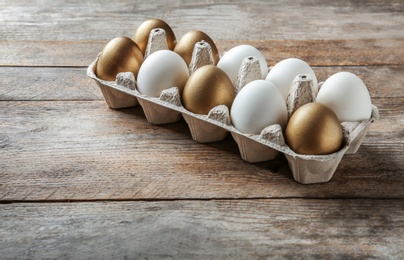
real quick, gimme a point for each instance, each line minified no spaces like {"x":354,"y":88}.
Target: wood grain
{"x":140,"y":191}
{"x":226,"y":20}
{"x":44,"y":83}
{"x":225,"y":229}
{"x":81,"y":150}
{"x":355,"y":52}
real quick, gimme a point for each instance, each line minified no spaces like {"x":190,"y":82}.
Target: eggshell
{"x":162,"y":70}
{"x":314,"y":129}
{"x":285,"y":71}
{"x":142,"y":33}
{"x":207,"y":88}
{"x":186,"y":44}
{"x":232,"y":60}
{"x":121,"y":54}
{"x":346,"y":94}
{"x":258,"y":105}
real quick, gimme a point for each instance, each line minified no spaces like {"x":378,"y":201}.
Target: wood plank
{"x":149,"y":192}
{"x":225,"y":229}
{"x":43,"y":83}
{"x":355,"y":52}
{"x":53,"y":150}
{"x":227,"y":20}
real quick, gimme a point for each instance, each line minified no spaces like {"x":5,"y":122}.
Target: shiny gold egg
{"x":314,"y":129}
{"x":207,"y":87}
{"x":141,"y":36}
{"x":121,"y":54}
{"x":185,"y":45}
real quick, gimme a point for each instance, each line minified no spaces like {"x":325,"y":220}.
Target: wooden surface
{"x":215,"y":229}
{"x":81,"y":181}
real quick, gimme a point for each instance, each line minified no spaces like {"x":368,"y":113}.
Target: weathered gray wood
{"x":225,"y":229}
{"x":60,"y":143}
{"x":102,"y":20}
{"x":354,"y":52}
{"x":37,"y":83}
{"x":85,"y":151}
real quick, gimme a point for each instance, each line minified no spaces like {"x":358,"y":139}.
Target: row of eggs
{"x":315,"y":128}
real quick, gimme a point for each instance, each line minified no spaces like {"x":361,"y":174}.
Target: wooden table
{"x":79,"y":180}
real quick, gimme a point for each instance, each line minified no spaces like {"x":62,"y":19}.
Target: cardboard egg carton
{"x":215,"y":126}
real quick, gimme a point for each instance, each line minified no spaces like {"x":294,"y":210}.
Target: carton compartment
{"x":157,"y":114}
{"x":208,"y":128}
{"x":114,"y":98}
{"x":203,"y":131}
{"x":357,"y":131}
{"x":312,"y":170}
{"x":357,"y":141}
{"x":252,"y":151}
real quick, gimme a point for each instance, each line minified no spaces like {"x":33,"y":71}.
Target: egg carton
{"x":215,"y":126}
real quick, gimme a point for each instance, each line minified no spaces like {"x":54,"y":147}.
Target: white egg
{"x":346,"y":94}
{"x":285,"y":71}
{"x":232,"y":60}
{"x":161,"y":70}
{"x":258,"y":105}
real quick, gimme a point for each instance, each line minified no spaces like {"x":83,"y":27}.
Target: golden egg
{"x":185,"y":45}
{"x":141,"y":36}
{"x":206,"y":88}
{"x":314,"y":129}
{"x":121,"y":54}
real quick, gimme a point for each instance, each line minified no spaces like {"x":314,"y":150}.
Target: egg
{"x":285,"y":71}
{"x":141,"y":36}
{"x":161,"y":70}
{"x":185,"y":45}
{"x":258,"y":105}
{"x":207,"y":88}
{"x":347,"y":95}
{"x":314,"y":129}
{"x":232,"y":60}
{"x":121,"y":54}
